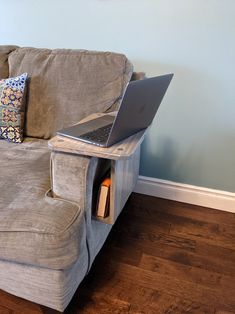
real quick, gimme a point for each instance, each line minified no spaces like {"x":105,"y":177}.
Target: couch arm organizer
{"x":68,"y":154}
{"x":48,"y":240}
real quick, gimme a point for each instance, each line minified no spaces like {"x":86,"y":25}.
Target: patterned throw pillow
{"x":12,"y":91}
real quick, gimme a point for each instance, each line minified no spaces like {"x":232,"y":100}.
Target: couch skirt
{"x":52,"y":288}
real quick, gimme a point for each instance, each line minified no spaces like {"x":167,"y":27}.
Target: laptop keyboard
{"x":99,"y":135}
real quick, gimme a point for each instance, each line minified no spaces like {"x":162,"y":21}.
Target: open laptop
{"x":139,"y":105}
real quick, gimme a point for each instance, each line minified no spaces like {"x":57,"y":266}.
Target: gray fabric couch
{"x":48,"y":244}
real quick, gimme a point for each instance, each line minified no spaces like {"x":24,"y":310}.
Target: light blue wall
{"x":192,"y":139}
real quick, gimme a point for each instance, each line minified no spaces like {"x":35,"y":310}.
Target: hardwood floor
{"x":161,"y":257}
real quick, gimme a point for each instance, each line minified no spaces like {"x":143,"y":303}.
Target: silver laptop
{"x":139,"y":105}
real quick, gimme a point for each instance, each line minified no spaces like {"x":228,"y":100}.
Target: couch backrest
{"x":67,"y":85}
{"x":4,"y":53}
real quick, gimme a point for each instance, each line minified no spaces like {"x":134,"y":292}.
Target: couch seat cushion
{"x":35,"y":229}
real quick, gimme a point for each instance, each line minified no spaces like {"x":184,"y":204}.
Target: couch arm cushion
{"x":69,"y":176}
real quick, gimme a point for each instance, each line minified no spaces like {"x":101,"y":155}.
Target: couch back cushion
{"x":4,"y":53}
{"x":67,"y":85}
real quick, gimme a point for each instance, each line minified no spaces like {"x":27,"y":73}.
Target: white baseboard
{"x":186,"y":193}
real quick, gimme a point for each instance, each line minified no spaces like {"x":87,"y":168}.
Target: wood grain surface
{"x":161,"y":257}
{"x":121,"y":150}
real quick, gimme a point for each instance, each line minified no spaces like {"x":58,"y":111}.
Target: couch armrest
{"x":76,"y":178}
{"x":75,"y":165}
{"x":71,"y":176}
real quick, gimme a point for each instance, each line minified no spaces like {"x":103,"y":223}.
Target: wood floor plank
{"x":18,"y":305}
{"x":149,"y":206}
{"x":117,"y":272}
{"x":221,"y":234}
{"x":179,"y":253}
{"x":187,"y":273}
{"x":93,"y":303}
{"x":4,"y":310}
{"x":137,"y":295}
{"x":136,"y":232}
{"x":172,"y":305}
{"x":215,"y":251}
{"x":132,"y":257}
{"x":223,"y":312}
{"x":146,"y":300}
